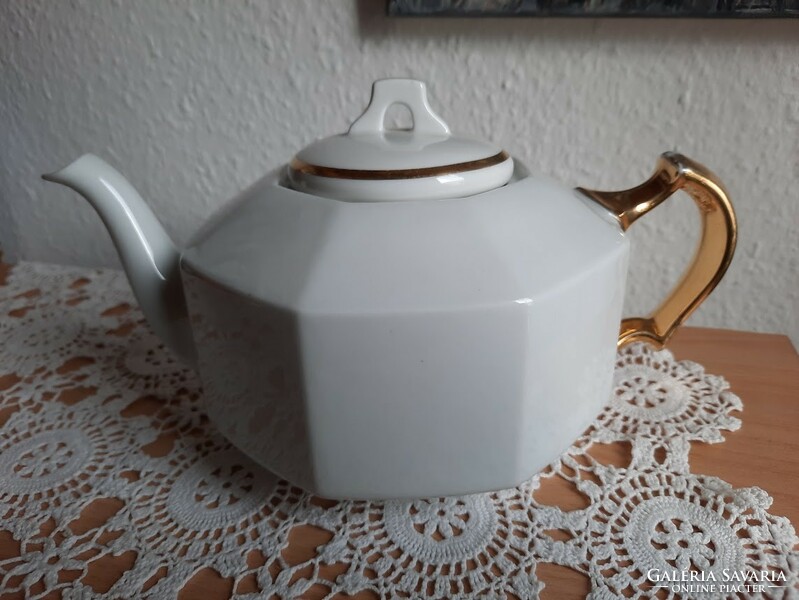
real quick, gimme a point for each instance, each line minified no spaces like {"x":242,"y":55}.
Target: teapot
{"x":405,"y":313}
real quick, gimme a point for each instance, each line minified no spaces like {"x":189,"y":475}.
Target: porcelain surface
{"x":425,"y":332}
{"x":456,"y":185}
{"x":318,"y":254}
{"x":464,"y":166}
{"x":394,"y":150}
{"x":398,"y":334}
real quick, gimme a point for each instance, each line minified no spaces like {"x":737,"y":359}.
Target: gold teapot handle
{"x":716,"y":247}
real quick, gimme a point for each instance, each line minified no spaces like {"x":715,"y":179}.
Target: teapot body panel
{"x":408,"y":404}
{"x":406,"y":349}
{"x":251,"y":369}
{"x":295,"y":250}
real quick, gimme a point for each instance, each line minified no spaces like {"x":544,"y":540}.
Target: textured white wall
{"x":193,"y":100}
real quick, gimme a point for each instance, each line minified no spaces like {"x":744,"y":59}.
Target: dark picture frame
{"x":597,"y":8}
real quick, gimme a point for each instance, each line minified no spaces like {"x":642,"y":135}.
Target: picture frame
{"x":748,"y":9}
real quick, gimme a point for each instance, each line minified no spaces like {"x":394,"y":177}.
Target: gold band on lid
{"x":305,"y":168}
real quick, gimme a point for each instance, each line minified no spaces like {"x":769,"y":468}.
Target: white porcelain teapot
{"x":405,"y":313}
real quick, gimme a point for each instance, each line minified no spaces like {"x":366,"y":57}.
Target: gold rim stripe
{"x":305,"y":168}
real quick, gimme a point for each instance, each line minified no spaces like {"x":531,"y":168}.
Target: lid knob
{"x":372,"y":163}
{"x":408,"y":92}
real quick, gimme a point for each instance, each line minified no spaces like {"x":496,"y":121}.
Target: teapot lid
{"x":370,"y":163}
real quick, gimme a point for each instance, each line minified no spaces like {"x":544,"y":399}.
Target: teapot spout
{"x":150,"y":259}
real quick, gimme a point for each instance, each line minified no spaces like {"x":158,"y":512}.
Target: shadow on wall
{"x":9,"y":238}
{"x":374,"y":24}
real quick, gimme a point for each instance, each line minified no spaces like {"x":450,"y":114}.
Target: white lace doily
{"x":106,"y":458}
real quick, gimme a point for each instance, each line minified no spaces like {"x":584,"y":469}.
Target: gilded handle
{"x":716,"y":247}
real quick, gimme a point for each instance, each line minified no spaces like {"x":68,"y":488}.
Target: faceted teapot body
{"x":405,"y":313}
{"x":406,"y":348}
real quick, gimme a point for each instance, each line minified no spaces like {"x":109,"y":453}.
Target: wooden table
{"x":762,"y":369}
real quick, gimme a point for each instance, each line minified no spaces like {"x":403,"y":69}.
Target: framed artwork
{"x":597,"y":8}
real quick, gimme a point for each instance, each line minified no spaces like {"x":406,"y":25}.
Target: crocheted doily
{"x":107,"y":463}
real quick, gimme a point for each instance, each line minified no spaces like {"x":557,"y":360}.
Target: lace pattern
{"x":97,"y":418}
